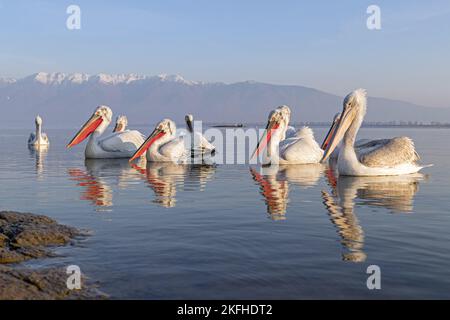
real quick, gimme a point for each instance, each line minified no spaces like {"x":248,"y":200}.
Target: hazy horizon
{"x":321,"y":45}
{"x":199,"y":81}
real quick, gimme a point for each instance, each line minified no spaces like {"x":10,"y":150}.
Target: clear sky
{"x":320,"y":44}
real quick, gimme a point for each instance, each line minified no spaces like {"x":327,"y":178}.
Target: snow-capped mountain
{"x":58,"y":78}
{"x":7,"y":81}
{"x":66,"y":100}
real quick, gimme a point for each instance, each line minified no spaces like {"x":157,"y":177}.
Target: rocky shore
{"x":25,"y":236}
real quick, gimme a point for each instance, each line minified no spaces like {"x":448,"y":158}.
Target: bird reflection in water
{"x":275,"y":181}
{"x":93,"y":180}
{"x":395,"y":193}
{"x":39,"y":153}
{"x":166,"y":178}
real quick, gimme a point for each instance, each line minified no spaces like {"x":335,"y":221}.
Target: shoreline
{"x":26,"y":236}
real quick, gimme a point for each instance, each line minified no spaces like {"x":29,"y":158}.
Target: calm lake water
{"x":229,"y":231}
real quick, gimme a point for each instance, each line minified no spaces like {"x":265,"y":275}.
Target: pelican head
{"x":189,"y":118}
{"x":101,"y":115}
{"x":121,"y":124}
{"x":278,"y":120}
{"x":330,"y":133}
{"x":354,"y":108}
{"x":165,"y":127}
{"x":38,"y":121}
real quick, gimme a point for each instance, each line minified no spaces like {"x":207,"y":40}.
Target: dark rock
{"x":48,"y":284}
{"x":26,"y":236}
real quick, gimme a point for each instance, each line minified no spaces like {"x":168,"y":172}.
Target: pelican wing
{"x":301,"y":148}
{"x":388,"y":152}
{"x":174,"y":149}
{"x":32,"y":138}
{"x":203,"y":143}
{"x":125,"y":141}
{"x":370,"y":144}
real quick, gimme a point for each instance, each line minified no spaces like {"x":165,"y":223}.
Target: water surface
{"x":234,"y":231}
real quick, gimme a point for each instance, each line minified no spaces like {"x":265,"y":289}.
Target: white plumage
{"x":373,"y":158}
{"x":164,"y":146}
{"x":296,"y":147}
{"x":116,"y":145}
{"x":38,"y":138}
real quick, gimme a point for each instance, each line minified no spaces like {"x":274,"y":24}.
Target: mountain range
{"x":67,"y":100}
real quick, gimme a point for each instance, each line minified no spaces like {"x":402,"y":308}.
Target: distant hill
{"x":65,"y":100}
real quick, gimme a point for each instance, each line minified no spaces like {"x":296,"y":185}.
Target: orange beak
{"x":265,"y":139}
{"x":329,"y":135}
{"x":86,"y":130}
{"x":155,"y":135}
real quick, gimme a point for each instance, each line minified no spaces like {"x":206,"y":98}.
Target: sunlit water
{"x":229,"y":231}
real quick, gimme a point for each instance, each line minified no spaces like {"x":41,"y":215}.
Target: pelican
{"x":121,"y":124}
{"x":116,"y":145}
{"x":385,"y":157}
{"x":164,"y":146}
{"x":38,"y":138}
{"x":197,"y":138}
{"x":189,"y":118}
{"x":299,"y":148}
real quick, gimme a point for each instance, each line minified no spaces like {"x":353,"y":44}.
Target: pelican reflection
{"x":167,"y":178}
{"x":97,"y":178}
{"x":39,"y":153}
{"x":395,"y":193}
{"x":275,"y":181}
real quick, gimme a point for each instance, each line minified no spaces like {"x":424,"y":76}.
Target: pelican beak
{"x":265,"y":139}
{"x":343,"y":124}
{"x":189,"y":124}
{"x":329,"y":135}
{"x":86,"y":130}
{"x":155,"y":135}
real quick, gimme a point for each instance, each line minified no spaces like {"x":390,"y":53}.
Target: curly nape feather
{"x":304,"y":132}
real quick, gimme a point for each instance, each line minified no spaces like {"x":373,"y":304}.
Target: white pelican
{"x":38,"y":138}
{"x":299,"y":148}
{"x":164,"y":146}
{"x":121,"y":124}
{"x":379,"y":158}
{"x":197,"y":138}
{"x":116,"y":145}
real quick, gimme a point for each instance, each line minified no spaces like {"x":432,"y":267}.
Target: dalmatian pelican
{"x":116,"y":145}
{"x":299,"y":147}
{"x":385,"y":157}
{"x":163,"y":145}
{"x":38,"y":138}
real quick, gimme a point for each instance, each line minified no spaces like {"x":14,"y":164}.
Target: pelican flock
{"x":282,"y":144}
{"x":385,"y":157}
{"x":163,"y":145}
{"x":121,"y":144}
{"x":38,"y":138}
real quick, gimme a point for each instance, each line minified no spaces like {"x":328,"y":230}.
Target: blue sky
{"x":320,"y":44}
